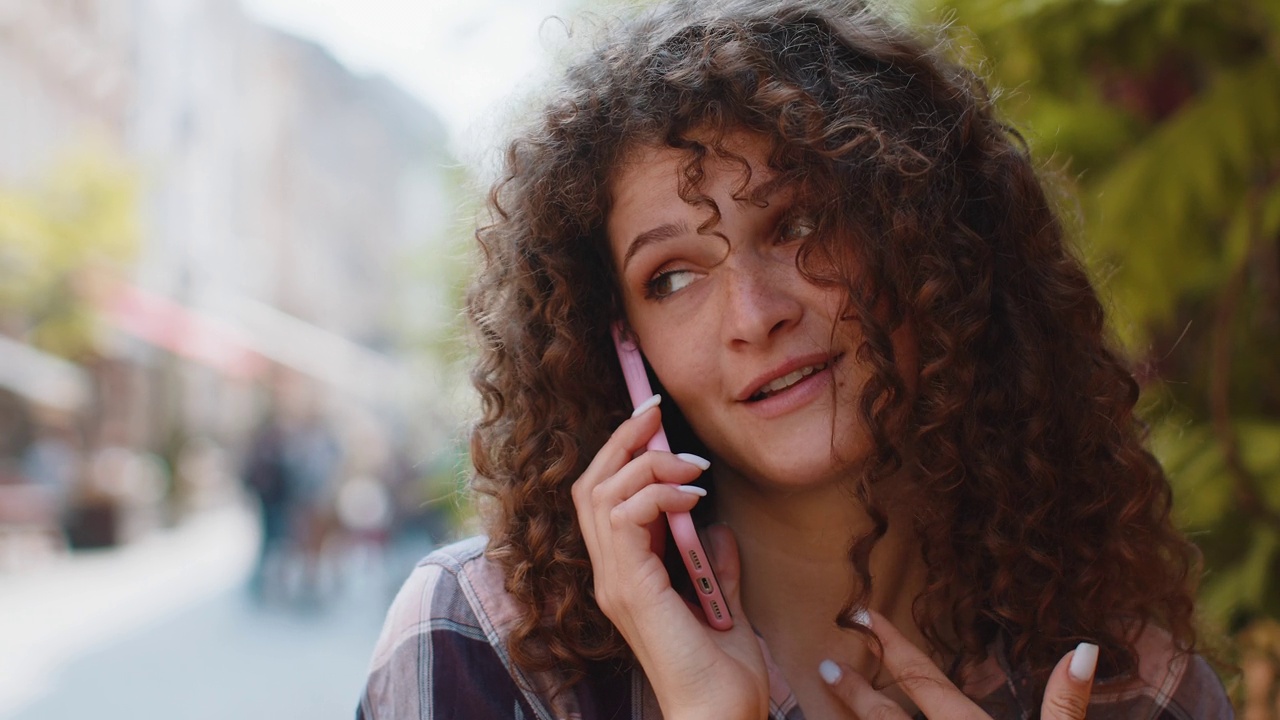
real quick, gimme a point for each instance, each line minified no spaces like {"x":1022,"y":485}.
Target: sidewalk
{"x":52,"y":615}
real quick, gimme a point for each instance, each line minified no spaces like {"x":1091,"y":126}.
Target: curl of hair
{"x":1043,"y":519}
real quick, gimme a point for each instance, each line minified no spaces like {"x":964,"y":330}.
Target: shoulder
{"x":1169,"y":685}
{"x":435,"y":597}
{"x":443,"y":644}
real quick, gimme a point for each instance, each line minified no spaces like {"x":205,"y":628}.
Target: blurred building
{"x":65,"y":72}
{"x":281,"y":196}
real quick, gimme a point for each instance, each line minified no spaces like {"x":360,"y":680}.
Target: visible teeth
{"x":790,"y":379}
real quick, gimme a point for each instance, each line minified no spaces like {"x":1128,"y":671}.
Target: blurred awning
{"x":322,"y":354}
{"x":41,"y":378}
{"x":181,"y":330}
{"x":241,"y":337}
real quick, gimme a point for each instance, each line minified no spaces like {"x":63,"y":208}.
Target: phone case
{"x":696,"y":560}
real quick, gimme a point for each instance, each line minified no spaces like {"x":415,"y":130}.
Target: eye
{"x":797,"y":227}
{"x":667,"y":283}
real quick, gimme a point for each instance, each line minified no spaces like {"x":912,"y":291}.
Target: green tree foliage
{"x":1163,"y":117}
{"x":83,"y":216}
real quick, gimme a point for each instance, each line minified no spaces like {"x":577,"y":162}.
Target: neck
{"x":794,"y":546}
{"x":796,"y":572}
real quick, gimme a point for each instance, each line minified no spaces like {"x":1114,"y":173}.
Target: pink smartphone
{"x":695,"y":558}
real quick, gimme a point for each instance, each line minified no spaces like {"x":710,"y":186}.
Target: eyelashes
{"x":797,"y":227}
{"x":791,"y":228}
{"x":668,"y":282}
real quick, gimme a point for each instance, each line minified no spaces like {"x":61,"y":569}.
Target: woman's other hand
{"x":695,"y":671}
{"x":1066,"y":696}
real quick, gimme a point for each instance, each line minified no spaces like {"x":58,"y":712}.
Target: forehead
{"x":732,"y":153}
{"x":647,"y":179}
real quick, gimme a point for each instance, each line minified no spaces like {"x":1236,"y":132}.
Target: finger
{"x":652,"y":467}
{"x":918,"y":676}
{"x":650,"y":502}
{"x":630,"y":437}
{"x":595,"y":503}
{"x":857,"y":694}
{"x":1066,"y":696}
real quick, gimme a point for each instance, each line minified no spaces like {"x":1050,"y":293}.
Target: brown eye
{"x":668,"y":283}
{"x":798,"y":228}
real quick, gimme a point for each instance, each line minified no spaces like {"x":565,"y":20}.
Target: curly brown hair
{"x":1044,"y":521}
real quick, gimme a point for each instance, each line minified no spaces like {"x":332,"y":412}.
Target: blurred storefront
{"x":278,"y":196}
{"x":40,"y":397}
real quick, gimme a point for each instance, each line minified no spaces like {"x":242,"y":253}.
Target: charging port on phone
{"x":705,"y":584}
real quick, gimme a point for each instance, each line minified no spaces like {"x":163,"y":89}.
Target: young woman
{"x":907,"y":438}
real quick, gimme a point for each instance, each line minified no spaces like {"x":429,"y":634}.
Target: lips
{"x":786,"y":376}
{"x":786,"y":381}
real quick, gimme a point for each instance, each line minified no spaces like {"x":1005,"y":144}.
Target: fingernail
{"x":700,"y":462}
{"x":692,"y":490}
{"x":651,"y":402}
{"x":863,"y":618}
{"x":830,"y":672}
{"x":1083,"y":662}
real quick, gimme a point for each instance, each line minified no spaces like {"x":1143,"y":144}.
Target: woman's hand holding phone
{"x":695,"y":671}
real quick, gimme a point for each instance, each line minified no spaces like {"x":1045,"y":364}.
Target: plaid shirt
{"x":442,"y":655}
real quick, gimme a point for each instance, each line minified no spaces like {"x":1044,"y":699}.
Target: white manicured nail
{"x":700,"y":462}
{"x":651,"y":402}
{"x":1084,"y":662}
{"x":692,"y":490}
{"x":863,"y":618}
{"x":830,"y":672}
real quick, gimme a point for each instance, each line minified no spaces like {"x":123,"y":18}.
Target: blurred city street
{"x":165,"y":628}
{"x":229,"y":407}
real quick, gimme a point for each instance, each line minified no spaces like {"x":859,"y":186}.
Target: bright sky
{"x":464,"y":58}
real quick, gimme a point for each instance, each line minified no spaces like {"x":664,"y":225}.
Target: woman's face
{"x":755,"y":355}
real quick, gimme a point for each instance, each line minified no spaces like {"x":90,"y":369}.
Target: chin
{"x":794,"y":475}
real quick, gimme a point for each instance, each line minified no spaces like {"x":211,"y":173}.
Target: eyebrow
{"x":767,"y":190}
{"x":665,"y":231}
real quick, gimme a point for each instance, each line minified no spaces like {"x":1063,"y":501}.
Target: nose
{"x":761,"y":300}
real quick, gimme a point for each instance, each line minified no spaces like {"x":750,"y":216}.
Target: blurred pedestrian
{"x":266,"y":477}
{"x":312,"y":456}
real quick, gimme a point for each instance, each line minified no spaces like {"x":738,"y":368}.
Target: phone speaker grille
{"x":697,"y":563}
{"x":715,"y":610}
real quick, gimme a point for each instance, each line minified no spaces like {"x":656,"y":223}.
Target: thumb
{"x":724,"y":561}
{"x":1066,"y":696}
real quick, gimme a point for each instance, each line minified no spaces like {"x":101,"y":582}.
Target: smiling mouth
{"x":788,"y":380}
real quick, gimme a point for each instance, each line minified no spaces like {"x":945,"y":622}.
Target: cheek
{"x":689,"y":381}
{"x":685,"y":377}
{"x":668,"y":351}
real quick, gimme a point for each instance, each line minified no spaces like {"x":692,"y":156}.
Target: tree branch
{"x":1248,"y":496}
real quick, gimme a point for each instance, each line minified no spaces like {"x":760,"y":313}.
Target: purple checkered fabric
{"x":442,"y":655}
